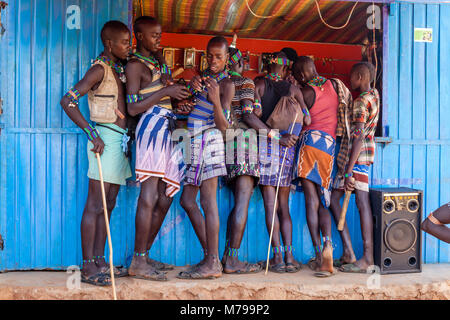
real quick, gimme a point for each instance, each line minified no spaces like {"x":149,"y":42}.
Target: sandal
{"x":98,"y":279}
{"x":160,"y":266}
{"x":325,"y":274}
{"x":195,"y":274}
{"x":278,"y":268}
{"x":150,"y":275}
{"x":313,"y":264}
{"x":118,"y":272}
{"x":249,"y":268}
{"x":292,"y":267}
{"x":352,"y":268}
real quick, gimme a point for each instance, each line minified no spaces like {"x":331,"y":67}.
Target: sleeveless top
{"x":103,"y":100}
{"x":154,"y":86}
{"x":273,"y":92}
{"x":201,"y":117}
{"x":324,"y":110}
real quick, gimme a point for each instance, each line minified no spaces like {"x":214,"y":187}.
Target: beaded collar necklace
{"x":318,"y":81}
{"x":234,"y":73}
{"x":371,"y":91}
{"x":273,"y":76}
{"x":117,"y":67}
{"x":218,"y":77}
{"x":151,"y":60}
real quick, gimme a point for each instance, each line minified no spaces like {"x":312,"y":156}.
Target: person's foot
{"x":140,"y":269}
{"x":359,"y":266}
{"x":90,"y":268}
{"x":210,"y":269}
{"x":234,"y":265}
{"x":292,"y":265}
{"x":276,"y":264}
{"x":327,"y":258}
{"x":160,"y":266}
{"x":346,"y":258}
{"x":315,"y":263}
{"x":91,"y":274}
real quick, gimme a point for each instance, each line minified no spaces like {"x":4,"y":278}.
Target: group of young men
{"x":287,"y":127}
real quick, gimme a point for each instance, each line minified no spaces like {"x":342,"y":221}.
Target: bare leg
{"x":284,"y":217}
{"x":312,"y":217}
{"x":365,"y":212}
{"x":441,"y":232}
{"x":237,"y":221}
{"x":268,"y":193}
{"x":348,"y":255}
{"x":325,"y":227}
{"x":93,"y":211}
{"x":148,"y":198}
{"x":101,"y":234}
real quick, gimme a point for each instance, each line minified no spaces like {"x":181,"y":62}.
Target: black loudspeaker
{"x":397,"y":215}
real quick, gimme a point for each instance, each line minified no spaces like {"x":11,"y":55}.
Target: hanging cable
{"x":256,"y":15}
{"x":333,"y":27}
{"x":374,"y":45}
{"x":142,"y":7}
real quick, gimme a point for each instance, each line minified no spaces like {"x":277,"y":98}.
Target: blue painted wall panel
{"x":43,"y":162}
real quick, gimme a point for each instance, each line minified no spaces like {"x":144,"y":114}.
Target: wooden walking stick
{"x":276,"y":197}
{"x":105,"y":211}
{"x":344,"y":210}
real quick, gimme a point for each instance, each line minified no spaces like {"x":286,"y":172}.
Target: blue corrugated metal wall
{"x":43,"y":156}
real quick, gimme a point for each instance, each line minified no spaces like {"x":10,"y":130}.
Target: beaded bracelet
{"x":348,"y":175}
{"x":73,"y":95}
{"x":358,"y":132}
{"x":227,"y":115}
{"x":133,"y":98}
{"x":306,"y":112}
{"x":91,"y":132}
{"x":257,"y":104}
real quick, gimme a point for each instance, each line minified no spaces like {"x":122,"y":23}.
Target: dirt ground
{"x":432,"y":283}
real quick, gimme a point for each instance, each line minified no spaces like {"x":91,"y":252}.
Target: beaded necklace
{"x":218,"y":77}
{"x":371,"y":91}
{"x":234,"y":73}
{"x":318,"y":81}
{"x":151,"y":60}
{"x":273,"y":76}
{"x":117,"y":67}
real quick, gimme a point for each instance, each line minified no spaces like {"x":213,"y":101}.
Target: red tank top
{"x":324,"y":110}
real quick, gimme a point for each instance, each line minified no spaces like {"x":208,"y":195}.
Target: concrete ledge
{"x":432,"y":283}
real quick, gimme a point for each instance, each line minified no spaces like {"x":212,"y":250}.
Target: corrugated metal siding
{"x":418,"y":96}
{"x":43,"y":155}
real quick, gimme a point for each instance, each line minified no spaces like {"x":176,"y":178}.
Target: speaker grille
{"x":400,"y":236}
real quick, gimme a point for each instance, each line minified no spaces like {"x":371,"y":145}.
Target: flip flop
{"x":293,"y":268}
{"x":337,"y":263}
{"x":311,"y":263}
{"x":278,"y":268}
{"x":352,"y":268}
{"x":325,"y":274}
{"x":249,"y":268}
{"x":98,"y":279}
{"x":160,"y":266}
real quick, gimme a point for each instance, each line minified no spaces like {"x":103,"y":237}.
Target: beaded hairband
{"x":280,"y":61}
{"x":235,"y":57}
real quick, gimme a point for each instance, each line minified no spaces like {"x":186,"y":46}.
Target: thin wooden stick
{"x":276,"y":198}
{"x":105,"y":210}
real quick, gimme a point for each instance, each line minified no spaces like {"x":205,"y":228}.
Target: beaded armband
{"x":133,"y":98}
{"x":73,"y":96}
{"x":306,"y":112}
{"x":248,"y":108}
{"x":166,"y":70}
{"x":91,"y":132}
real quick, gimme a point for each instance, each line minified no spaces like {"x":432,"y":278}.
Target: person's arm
{"x":221,"y":102}
{"x":166,"y":73}
{"x":92,"y":77}
{"x":133,"y":73}
{"x":298,"y":95}
{"x":360,"y":115}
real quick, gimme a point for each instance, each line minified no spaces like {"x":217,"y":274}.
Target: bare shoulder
{"x":227,"y":84}
{"x":134,"y":66}
{"x":95,"y":73}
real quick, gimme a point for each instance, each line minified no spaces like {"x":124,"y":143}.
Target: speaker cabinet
{"x":397,"y":215}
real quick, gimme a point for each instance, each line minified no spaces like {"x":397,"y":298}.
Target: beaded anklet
{"x":277,"y":249}
{"x":232,"y":252}
{"x":288,"y":249}
{"x":88,"y":261}
{"x":143,"y":254}
{"x":317,"y":249}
